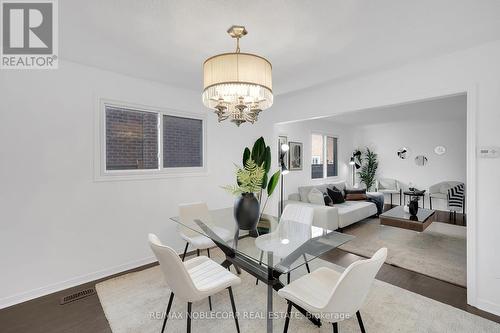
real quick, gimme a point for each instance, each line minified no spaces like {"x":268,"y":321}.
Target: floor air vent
{"x":76,"y":296}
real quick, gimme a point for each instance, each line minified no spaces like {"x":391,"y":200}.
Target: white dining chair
{"x":331,"y":295}
{"x":199,"y":210}
{"x":292,"y":213}
{"x":193,"y":280}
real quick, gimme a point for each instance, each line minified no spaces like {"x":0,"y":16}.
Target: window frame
{"x":102,"y":174}
{"x":325,"y":136}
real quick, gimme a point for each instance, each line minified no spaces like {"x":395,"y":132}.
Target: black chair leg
{"x":287,"y":318}
{"x":260,"y":263}
{"x":360,"y":321}
{"x":288,"y":278}
{"x":189,"y":318}
{"x":307,"y":265}
{"x":335,"y":328}
{"x":234,"y":309}
{"x":430,"y":202}
{"x":185,"y":251}
{"x":391,"y":199}
{"x":209,"y":298}
{"x":168,"y":311}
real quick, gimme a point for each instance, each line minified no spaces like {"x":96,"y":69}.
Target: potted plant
{"x":251,"y":181}
{"x":368,"y":168}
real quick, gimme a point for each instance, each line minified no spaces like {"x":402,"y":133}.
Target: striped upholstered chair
{"x":439,"y":191}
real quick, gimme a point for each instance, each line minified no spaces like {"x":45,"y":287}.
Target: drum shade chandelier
{"x":237,"y":86}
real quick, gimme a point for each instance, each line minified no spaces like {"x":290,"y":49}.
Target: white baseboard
{"x":28,"y":295}
{"x":488,"y":306}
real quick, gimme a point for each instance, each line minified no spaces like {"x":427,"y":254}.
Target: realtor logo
{"x":29,"y":34}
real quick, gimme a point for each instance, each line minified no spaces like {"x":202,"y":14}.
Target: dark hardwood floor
{"x":436,"y":289}
{"x":45,"y":315}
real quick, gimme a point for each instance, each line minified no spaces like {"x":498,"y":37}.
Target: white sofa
{"x":338,"y":215}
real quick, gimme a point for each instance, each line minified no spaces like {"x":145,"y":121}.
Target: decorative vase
{"x":413,"y":207}
{"x":247,"y":212}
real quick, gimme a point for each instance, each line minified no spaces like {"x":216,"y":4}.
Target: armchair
{"x":440,"y":190}
{"x":389,"y":186}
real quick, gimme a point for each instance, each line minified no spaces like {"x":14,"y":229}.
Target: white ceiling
{"x":308,"y":42}
{"x":452,"y":108}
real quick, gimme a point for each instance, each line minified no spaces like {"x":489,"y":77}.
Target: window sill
{"x":145,"y":175}
{"x":327,"y":178}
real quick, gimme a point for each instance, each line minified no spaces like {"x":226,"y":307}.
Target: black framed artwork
{"x":296,"y":156}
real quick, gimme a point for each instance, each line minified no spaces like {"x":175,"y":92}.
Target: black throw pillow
{"x":336,"y":195}
{"x":328,"y":200}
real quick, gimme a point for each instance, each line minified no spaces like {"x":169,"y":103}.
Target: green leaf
{"x":258,"y":150}
{"x":246,"y":155}
{"x":264,"y":181}
{"x":273,"y":182}
{"x":267,"y":159}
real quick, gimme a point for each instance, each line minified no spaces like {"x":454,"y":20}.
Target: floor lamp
{"x":353,"y":170}
{"x":355,"y":164}
{"x":284,"y":170}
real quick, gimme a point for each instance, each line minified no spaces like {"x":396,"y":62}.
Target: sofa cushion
{"x":327,"y":199}
{"x":339,"y":185}
{"x":353,"y":211}
{"x":336,"y":195}
{"x":304,"y":190}
{"x":355,"y":194}
{"x":315,"y":196}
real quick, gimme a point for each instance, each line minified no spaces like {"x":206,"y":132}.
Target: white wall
{"x":420,"y":138}
{"x":58,"y":226}
{"x":301,"y":132}
{"x":474,"y":70}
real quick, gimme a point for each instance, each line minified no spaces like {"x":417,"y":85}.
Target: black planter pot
{"x":413,"y":207}
{"x":246,"y":213}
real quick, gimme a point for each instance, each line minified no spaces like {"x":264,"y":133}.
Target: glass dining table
{"x":287,"y":246}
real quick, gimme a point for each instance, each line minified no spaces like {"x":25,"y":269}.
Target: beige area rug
{"x":439,"y":251}
{"x":135,"y":303}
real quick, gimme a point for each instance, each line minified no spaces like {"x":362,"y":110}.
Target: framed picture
{"x":282,"y":140}
{"x":296,"y":152}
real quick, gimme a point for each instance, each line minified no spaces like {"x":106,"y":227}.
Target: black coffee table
{"x":397,"y":217}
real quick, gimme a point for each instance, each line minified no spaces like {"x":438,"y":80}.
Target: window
{"x":182,"y":142}
{"x":324,"y":160}
{"x":137,"y":141}
{"x":331,"y":157}
{"x":131,"y":139}
{"x":317,"y":156}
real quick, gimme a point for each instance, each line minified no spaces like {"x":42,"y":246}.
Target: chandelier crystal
{"x":237,"y":86}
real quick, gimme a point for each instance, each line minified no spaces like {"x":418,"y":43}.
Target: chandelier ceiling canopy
{"x":237,"y":86}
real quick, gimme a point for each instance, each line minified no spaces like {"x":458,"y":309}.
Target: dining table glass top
{"x":287,"y":246}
